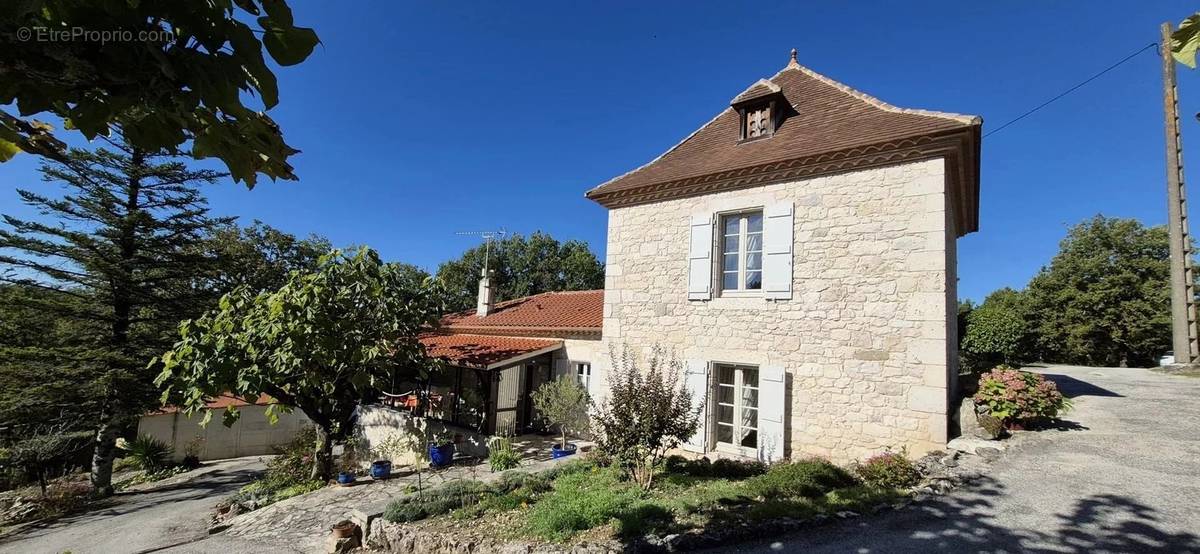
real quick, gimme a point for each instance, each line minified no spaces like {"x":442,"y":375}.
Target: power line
{"x":1072,"y":89}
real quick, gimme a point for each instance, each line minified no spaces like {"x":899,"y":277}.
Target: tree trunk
{"x":564,"y":436}
{"x":322,"y":455}
{"x":103,"y":451}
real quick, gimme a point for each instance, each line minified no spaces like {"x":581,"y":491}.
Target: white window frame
{"x":743,"y":226}
{"x":715,"y":413}
{"x":583,"y":373}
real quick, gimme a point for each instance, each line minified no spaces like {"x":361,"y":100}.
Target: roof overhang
{"x":960,"y":148}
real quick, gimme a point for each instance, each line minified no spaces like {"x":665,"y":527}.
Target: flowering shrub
{"x":1014,"y":395}
{"x":891,"y":470}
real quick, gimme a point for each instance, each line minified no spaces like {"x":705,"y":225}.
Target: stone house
{"x":798,"y":253}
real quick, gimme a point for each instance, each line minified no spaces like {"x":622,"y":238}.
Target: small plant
{"x":395,"y":446}
{"x":1013,"y":395}
{"x":502,"y":456}
{"x":581,"y":501}
{"x":646,"y":414}
{"x":891,"y":470}
{"x":191,"y":452}
{"x":803,"y":478}
{"x":563,"y":402}
{"x":148,"y":453}
{"x":722,"y":468}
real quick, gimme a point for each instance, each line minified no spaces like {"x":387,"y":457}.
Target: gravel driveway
{"x":168,"y":515}
{"x":1122,"y":475}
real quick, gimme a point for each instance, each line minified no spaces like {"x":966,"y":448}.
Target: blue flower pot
{"x":441,"y":456}
{"x":556,"y":452}
{"x":381,"y":469}
{"x":345,"y":478}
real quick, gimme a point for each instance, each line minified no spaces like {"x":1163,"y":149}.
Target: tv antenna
{"x":487,"y":237}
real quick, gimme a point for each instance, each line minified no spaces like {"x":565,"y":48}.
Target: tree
{"x":43,"y":448}
{"x":261,"y":257}
{"x":1104,"y":299}
{"x":523,"y":266}
{"x":161,"y":74}
{"x":121,"y":260}
{"x":1185,"y":40}
{"x":997,"y":332}
{"x":323,"y":343}
{"x":563,"y":402}
{"x":645,"y":415}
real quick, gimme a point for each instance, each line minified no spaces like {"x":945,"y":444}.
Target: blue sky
{"x":421,"y":119}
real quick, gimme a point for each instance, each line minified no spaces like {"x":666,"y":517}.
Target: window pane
{"x":731,"y":244}
{"x":730,"y":262}
{"x":749,"y":418}
{"x":750,"y":377}
{"x":725,"y":394}
{"x":730,"y":282}
{"x":753,"y":261}
{"x":754,"y":242}
{"x":725,"y":375}
{"x":724,"y":434}
{"x":749,"y":397}
{"x":724,"y":414}
{"x":749,"y":439}
{"x":754,"y":223}
{"x":731,"y":225}
{"x":753,"y":280}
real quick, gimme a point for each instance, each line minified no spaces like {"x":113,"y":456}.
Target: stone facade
{"x":867,"y":339}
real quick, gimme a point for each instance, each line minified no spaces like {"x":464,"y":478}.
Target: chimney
{"x":484,"y":304}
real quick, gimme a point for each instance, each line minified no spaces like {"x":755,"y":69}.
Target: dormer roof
{"x":830,"y":128}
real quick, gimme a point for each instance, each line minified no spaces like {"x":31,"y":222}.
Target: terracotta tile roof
{"x":483,"y":351}
{"x":758,"y":90}
{"x":224,"y":401}
{"x":580,"y":311}
{"x":826,"y":117}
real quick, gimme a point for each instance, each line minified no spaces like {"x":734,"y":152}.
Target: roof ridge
{"x":876,"y":102}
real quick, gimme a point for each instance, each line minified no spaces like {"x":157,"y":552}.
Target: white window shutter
{"x":777,"y":251}
{"x":700,"y":263}
{"x":772,"y":427}
{"x":696,"y":381}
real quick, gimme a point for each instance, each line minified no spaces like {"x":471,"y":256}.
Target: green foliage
{"x":997,"y":331}
{"x":182,"y":80}
{"x":1104,"y":299}
{"x":723,"y":468}
{"x":645,"y":415}
{"x":502,"y":456}
{"x":582,"y":501}
{"x":260,"y":257}
{"x":811,"y":478}
{"x":1014,"y":395}
{"x":121,"y":259}
{"x":323,"y":342}
{"x":288,"y":473}
{"x":523,"y":266}
{"x":441,"y":500}
{"x":563,"y":402}
{"x":148,"y":453}
{"x":889,"y":470}
{"x":1185,"y":40}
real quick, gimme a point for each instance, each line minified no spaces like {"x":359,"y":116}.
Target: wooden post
{"x":1183,"y":302}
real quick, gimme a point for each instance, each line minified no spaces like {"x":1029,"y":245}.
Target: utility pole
{"x":1183,"y":300}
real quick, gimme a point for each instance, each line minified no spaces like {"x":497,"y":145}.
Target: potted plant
{"x":346,"y":478}
{"x":441,"y":454}
{"x":343,"y":529}
{"x":381,"y":469}
{"x":563,"y":402}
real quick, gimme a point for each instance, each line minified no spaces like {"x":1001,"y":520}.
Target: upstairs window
{"x":741,"y":252}
{"x":758,"y":122}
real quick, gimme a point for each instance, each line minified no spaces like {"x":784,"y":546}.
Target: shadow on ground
{"x":1074,"y":388}
{"x":964,"y":523}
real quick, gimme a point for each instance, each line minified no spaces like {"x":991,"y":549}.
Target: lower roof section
{"x":485,"y":351}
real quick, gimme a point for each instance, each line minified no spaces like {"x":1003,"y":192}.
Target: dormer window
{"x":759,"y":108}
{"x":758,"y":123}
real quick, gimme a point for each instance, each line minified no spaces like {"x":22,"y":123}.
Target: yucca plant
{"x":148,"y":453}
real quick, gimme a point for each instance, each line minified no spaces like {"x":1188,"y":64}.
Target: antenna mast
{"x":487,"y":236}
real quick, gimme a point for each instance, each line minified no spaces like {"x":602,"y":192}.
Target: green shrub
{"x":1014,"y":395}
{"x":781,"y":508}
{"x":888,"y":470}
{"x":581,"y":501}
{"x":860,"y":498}
{"x":810,"y":478}
{"x":148,"y":453}
{"x":502,"y":456}
{"x":441,"y":500}
{"x":722,"y":468}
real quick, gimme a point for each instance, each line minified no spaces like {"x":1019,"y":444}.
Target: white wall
{"x":378,"y":423}
{"x":252,"y":435}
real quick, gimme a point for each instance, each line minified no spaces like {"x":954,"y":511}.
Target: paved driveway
{"x":1122,"y":476}
{"x":146,"y":521}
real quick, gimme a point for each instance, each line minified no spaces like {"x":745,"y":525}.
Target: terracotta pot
{"x":343,"y":529}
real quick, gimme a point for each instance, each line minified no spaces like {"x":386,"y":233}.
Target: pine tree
{"x":123,"y":250}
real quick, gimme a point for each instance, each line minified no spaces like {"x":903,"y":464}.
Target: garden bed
{"x":586,"y":507}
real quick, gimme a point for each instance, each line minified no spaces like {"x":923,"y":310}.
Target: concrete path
{"x":158,"y":516}
{"x":1121,"y":475}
